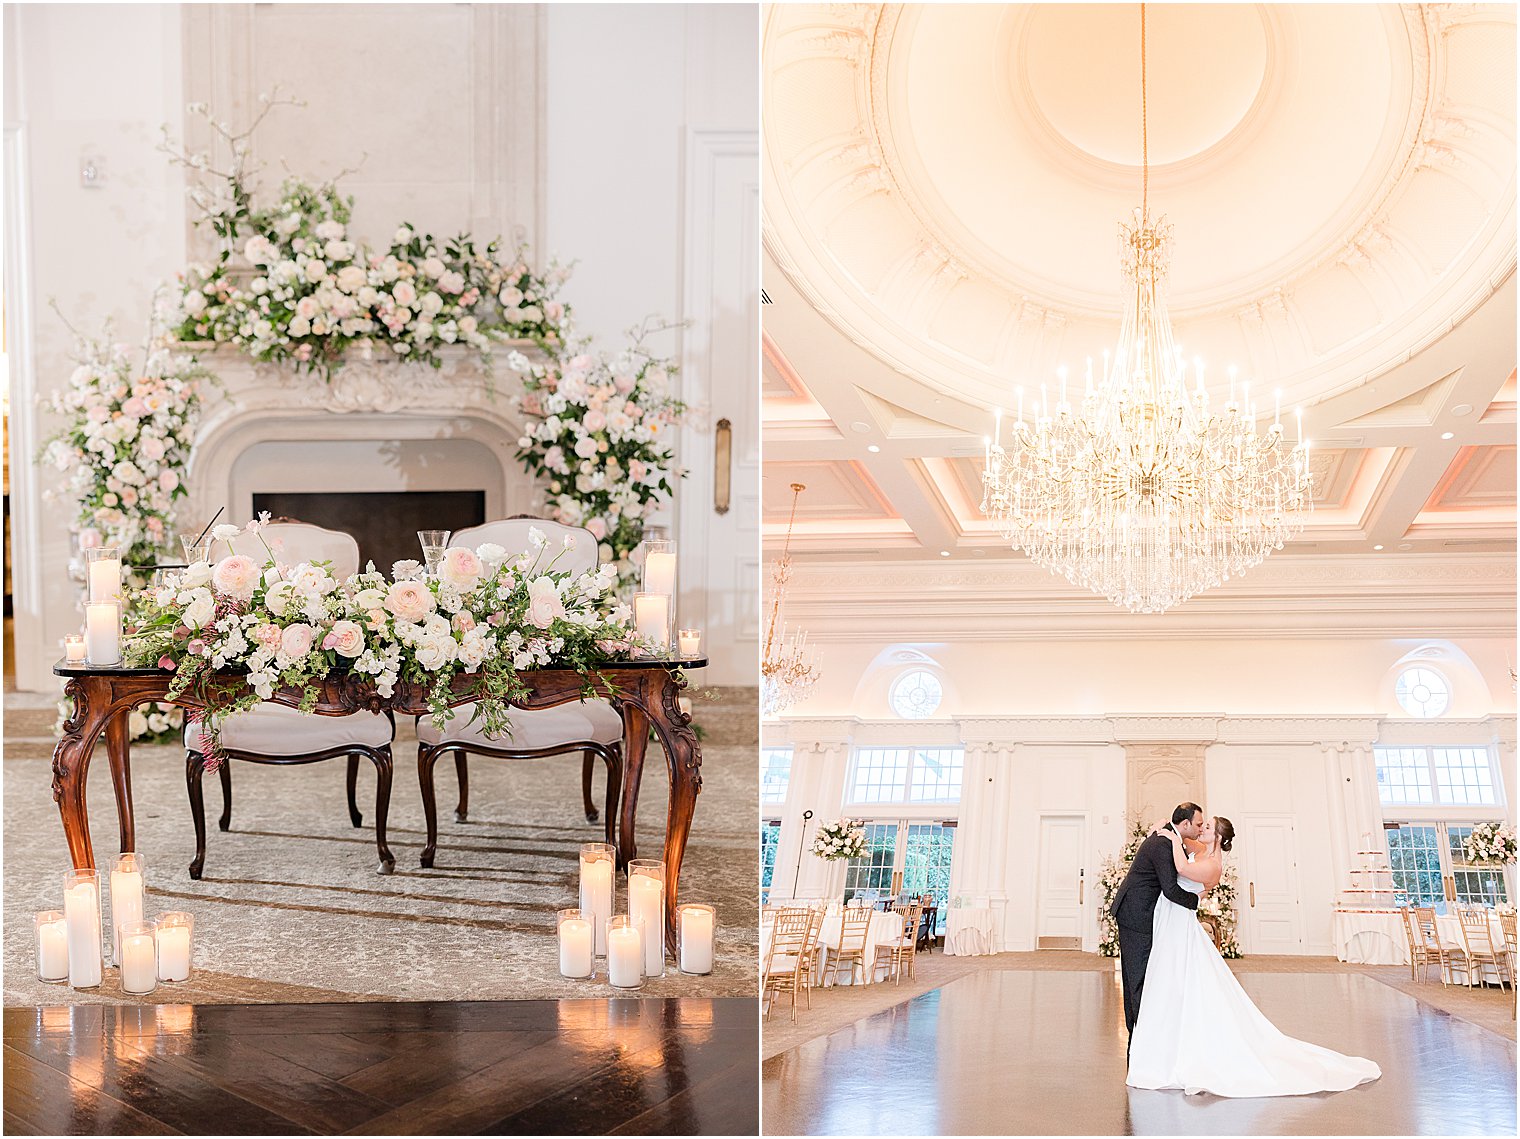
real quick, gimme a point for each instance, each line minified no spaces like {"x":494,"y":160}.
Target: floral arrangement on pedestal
{"x":1218,"y":903}
{"x":124,"y":446}
{"x":1492,"y":843}
{"x":843,"y":838}
{"x":601,"y":431}
{"x":291,"y":285}
{"x":486,"y":614}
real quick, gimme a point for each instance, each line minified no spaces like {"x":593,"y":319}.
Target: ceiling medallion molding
{"x":1286,"y":338}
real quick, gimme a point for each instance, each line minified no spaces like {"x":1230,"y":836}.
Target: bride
{"x":1198,"y":1030}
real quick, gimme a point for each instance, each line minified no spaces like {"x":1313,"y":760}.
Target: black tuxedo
{"x":1151,"y":874}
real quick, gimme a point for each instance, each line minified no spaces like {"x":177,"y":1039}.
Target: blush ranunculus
{"x":544,"y":604}
{"x":461,"y":568}
{"x":296,"y":640}
{"x":409,"y":600}
{"x":345,"y":638}
{"x":268,"y":636}
{"x":237,"y":575}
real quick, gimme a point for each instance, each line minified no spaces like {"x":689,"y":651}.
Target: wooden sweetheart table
{"x":647,"y":696}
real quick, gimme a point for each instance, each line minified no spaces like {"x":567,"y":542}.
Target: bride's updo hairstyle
{"x":1224,"y":830}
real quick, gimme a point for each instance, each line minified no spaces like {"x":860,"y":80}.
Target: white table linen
{"x":969,"y":932}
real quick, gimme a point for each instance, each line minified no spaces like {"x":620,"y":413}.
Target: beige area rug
{"x":291,"y":909}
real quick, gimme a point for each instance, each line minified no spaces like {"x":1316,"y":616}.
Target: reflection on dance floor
{"x":1034,"y":1052}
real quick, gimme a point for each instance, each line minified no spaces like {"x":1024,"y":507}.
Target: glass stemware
{"x":434,"y":542}
{"x":197,"y":548}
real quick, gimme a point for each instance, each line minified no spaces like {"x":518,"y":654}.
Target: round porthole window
{"x":1422,"y":692}
{"x":916,"y":695}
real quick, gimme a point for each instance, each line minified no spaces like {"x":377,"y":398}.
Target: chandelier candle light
{"x":1143,"y":493}
{"x":788,"y":669}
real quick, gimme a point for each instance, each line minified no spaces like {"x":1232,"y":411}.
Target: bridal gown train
{"x":1200,"y":1032}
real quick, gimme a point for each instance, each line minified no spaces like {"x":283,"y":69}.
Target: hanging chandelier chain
{"x":1145,"y":139}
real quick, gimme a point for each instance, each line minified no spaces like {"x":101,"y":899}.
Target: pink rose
{"x":168,"y":480}
{"x":461,"y":568}
{"x":151,"y":449}
{"x":404,"y":293}
{"x":597,"y":528}
{"x":296,"y":640}
{"x":623,"y":383}
{"x":135,"y":408}
{"x":463,"y":622}
{"x":637,"y":469}
{"x":544,"y":605}
{"x":237,"y":576}
{"x":595,"y":420}
{"x":345,"y":638}
{"x":268,"y":636}
{"x":409,"y":600}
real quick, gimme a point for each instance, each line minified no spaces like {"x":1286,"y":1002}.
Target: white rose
{"x":339,"y":250}
{"x":195,"y":303}
{"x":330,"y":230}
{"x":200,"y":609}
{"x":432,"y":303}
{"x":403,"y":235}
{"x":434,"y":268}
{"x":351,"y":278}
{"x":315,"y":270}
{"x":277,"y":597}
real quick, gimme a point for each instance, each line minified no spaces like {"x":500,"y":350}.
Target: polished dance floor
{"x":1042,"y":1053}
{"x":573,"y":1067}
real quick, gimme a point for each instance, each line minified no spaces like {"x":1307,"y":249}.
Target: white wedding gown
{"x":1198,"y":1031}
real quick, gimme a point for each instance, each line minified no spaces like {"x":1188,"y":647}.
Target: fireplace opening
{"x":384,"y":523}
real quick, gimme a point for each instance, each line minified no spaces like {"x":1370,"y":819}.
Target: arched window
{"x":916,"y":695}
{"x":1422,"y":692}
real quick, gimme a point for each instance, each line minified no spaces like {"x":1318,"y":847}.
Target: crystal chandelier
{"x":788,"y":669}
{"x":1143,"y":494}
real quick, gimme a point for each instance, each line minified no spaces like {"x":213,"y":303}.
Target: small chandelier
{"x":1143,"y":494}
{"x":788,"y":669}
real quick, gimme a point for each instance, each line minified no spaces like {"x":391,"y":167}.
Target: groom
{"x":1151,"y":874}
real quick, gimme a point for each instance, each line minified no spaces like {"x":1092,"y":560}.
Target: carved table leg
{"x":426,"y":758}
{"x":195,"y":766}
{"x":635,"y":743}
{"x":383,"y":765}
{"x":71,"y":765}
{"x":119,"y":753}
{"x":462,"y":770}
{"x":684,"y":757}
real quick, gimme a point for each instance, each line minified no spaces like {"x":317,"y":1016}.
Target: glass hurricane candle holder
{"x":173,"y":937}
{"x":696,"y":930}
{"x":646,"y":903}
{"x":577,"y":944}
{"x":81,"y":916}
{"x":51,"y":934}
{"x":598,"y":860}
{"x":690,"y":642}
{"x":103,"y":564}
{"x":73,"y":648}
{"x":102,"y":632}
{"x":127,"y":882}
{"x":625,"y":953}
{"x":660,"y":566}
{"x":651,"y":618}
{"x":137,"y":953}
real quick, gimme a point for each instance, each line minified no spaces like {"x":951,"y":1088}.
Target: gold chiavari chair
{"x":854,"y":929}
{"x":1430,"y":936}
{"x":1507,"y":924}
{"x":1477,"y":936}
{"x":902,"y":950}
{"x":788,"y":964}
{"x":1423,"y":951}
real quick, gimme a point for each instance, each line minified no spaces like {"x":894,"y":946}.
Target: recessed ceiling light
{"x":1462,"y":409}
{"x":1379,"y":546}
{"x":979,"y":553}
{"x":944,"y":553}
{"x":860,"y":427}
{"x":1406,"y":545}
{"x":874,"y":449}
{"x":1446,"y":435}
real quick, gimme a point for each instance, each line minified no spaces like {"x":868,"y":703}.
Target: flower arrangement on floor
{"x":125,"y":445}
{"x":1492,"y":843}
{"x":485,"y":614}
{"x":291,"y":284}
{"x":1218,"y":903}
{"x":844,"y":838}
{"x":601,"y":432}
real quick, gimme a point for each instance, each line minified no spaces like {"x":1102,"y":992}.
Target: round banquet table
{"x":1377,"y":938}
{"x":1449,"y":931}
{"x":969,"y":933}
{"x":884,"y":928}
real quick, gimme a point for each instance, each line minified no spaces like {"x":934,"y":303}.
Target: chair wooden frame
{"x":904,"y":948}
{"x":195,"y":767}
{"x":428,"y":756}
{"x":1478,"y":940}
{"x":852,"y":920}
{"x":1425,"y":921}
{"x":1423,"y":951}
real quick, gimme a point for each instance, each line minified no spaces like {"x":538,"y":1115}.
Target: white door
{"x":1059,"y":908}
{"x":1268,"y":886}
{"x":718,"y":503}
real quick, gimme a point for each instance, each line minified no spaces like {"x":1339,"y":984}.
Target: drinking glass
{"x":434,"y":542}
{"x":197,"y":548}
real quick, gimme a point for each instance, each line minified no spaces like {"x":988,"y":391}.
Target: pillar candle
{"x":651,"y":617}
{"x":660,"y":573}
{"x":81,"y":915}
{"x":596,"y":897}
{"x":646,"y":903}
{"x":575,"y":947}
{"x":696,"y":930}
{"x":52,"y":946}
{"x":126,"y":897}
{"x":139,"y":969}
{"x":105,"y":578}
{"x":625,"y":957}
{"x":102,"y":632}
{"x":173,"y":942}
